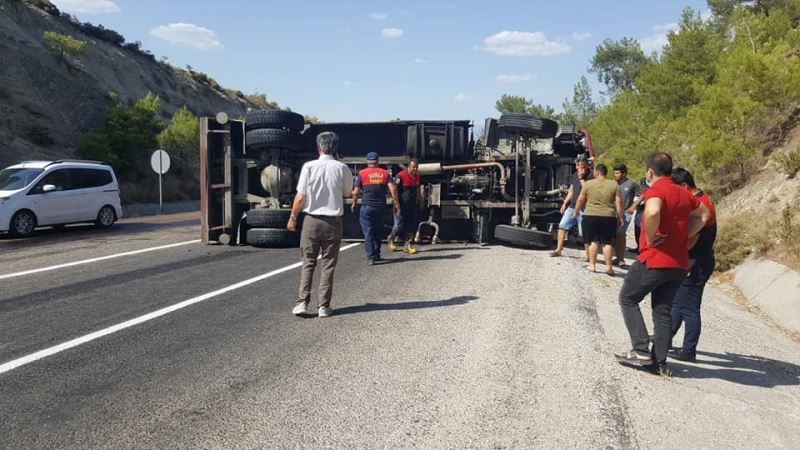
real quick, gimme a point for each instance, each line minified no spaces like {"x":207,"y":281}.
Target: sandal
{"x":555,"y":254}
{"x":610,"y":273}
{"x":633,"y":357}
{"x":622,"y":265}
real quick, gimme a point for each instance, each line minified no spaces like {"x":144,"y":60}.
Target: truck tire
{"x":526,"y":123}
{"x":273,"y":138}
{"x":272,"y":238}
{"x":268,"y":218}
{"x":524,"y":237}
{"x":274,"y":118}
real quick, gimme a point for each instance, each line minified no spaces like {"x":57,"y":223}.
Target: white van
{"x":55,"y":193}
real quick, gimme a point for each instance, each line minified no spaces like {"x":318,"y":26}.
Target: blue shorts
{"x":568,"y":221}
{"x":627,"y":218}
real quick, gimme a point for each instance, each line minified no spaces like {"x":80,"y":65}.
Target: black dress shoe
{"x":682,"y":355}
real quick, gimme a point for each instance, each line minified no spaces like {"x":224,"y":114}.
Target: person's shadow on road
{"x":418,"y":258}
{"x":748,"y":370}
{"x":404,"y":306}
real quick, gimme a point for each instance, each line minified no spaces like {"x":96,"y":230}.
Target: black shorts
{"x":600,"y":229}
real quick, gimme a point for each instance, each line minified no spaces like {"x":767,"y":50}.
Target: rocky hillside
{"x":47,"y":101}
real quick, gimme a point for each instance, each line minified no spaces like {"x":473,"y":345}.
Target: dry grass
{"x":771,"y":235}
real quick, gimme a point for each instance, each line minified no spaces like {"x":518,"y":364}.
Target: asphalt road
{"x":458,"y":346}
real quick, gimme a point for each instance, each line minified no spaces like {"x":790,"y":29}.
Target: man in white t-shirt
{"x":321,"y":189}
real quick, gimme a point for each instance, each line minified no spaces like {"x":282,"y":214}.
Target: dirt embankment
{"x":48,"y":101}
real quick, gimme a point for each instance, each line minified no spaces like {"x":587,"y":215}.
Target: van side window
{"x":58,"y":178}
{"x":89,"y":178}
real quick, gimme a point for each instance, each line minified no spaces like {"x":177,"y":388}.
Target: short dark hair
{"x":413,"y":160}
{"x":683,"y":176}
{"x":328,"y":142}
{"x":660,"y":163}
{"x":621,"y":168}
{"x":602,"y":169}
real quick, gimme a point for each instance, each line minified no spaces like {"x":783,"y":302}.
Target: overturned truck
{"x":508,"y":184}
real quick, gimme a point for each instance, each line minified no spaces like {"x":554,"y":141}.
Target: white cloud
{"x":420,"y":60}
{"x":379,"y":16}
{"x":515,"y":78}
{"x":461,"y":98}
{"x":87,"y":6}
{"x":392,"y":33}
{"x":580,"y":36}
{"x":523,"y":43}
{"x":656,"y":41}
{"x":188,"y":35}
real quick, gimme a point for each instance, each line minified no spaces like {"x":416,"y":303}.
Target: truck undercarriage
{"x":508,"y":185}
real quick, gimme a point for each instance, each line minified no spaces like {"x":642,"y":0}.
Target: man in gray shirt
{"x":321,"y":188}
{"x":628,"y":189}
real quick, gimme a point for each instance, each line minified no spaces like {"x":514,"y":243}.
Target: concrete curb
{"x":152,"y":209}
{"x":774,"y":288}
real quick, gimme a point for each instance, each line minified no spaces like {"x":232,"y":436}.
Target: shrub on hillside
{"x":789,"y":162}
{"x":738,"y":238}
{"x":39,"y":135}
{"x":63,"y":44}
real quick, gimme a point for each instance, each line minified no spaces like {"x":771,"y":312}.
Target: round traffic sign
{"x":160,"y":161}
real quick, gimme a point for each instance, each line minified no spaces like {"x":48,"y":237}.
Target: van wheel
{"x":106,"y":217}
{"x":23,"y":223}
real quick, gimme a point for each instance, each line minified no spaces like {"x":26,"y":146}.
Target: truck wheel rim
{"x":24,"y":224}
{"x":106,"y":216}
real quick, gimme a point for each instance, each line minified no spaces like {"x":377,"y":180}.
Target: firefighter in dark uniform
{"x":372,"y":185}
{"x":408,"y":186}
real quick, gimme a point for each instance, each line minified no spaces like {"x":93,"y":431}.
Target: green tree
{"x":181,"y":140}
{"x":582,"y":109}
{"x":514,"y":104}
{"x":126,"y":138}
{"x":618,"y":63}
{"x":63,"y":44}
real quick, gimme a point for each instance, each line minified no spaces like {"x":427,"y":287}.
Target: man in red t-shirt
{"x":686,"y":306}
{"x":410,"y":194}
{"x":672,"y":216}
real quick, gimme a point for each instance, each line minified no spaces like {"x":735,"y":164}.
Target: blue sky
{"x":358,"y":60}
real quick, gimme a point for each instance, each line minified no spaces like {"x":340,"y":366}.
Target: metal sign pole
{"x":160,"y":174}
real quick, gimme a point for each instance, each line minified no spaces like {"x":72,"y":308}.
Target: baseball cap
{"x":372,"y":156}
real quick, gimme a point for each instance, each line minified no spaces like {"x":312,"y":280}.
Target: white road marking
{"x":92,"y":260}
{"x":11,"y":365}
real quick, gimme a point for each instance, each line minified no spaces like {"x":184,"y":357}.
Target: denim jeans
{"x":686,"y":307}
{"x":661,"y":284}
{"x":371,"y":219}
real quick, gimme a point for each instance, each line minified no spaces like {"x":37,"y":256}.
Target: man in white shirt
{"x":321,"y":189}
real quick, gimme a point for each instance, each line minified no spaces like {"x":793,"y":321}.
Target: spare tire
{"x":524,"y":237}
{"x":268,"y":218}
{"x":272,"y":138}
{"x":273,"y":118}
{"x":526,"y":123}
{"x":272,"y":238}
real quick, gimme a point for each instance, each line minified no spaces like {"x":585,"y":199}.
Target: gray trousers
{"x":661,"y":284}
{"x":321,"y":237}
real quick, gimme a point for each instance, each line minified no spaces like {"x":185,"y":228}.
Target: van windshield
{"x":13,"y":179}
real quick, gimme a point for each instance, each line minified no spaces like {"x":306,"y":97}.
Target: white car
{"x":54,"y":193}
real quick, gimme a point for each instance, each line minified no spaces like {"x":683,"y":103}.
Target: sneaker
{"x":324,"y":311}
{"x":300,"y":309}
{"x":682,"y":355}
